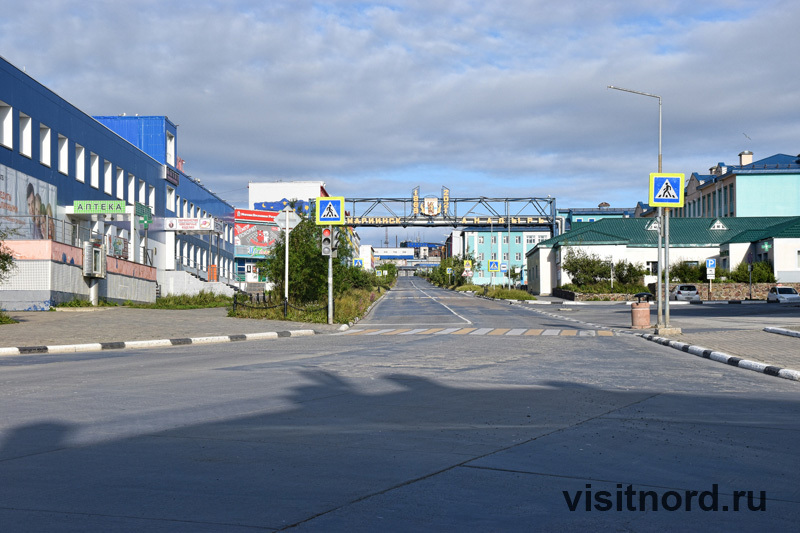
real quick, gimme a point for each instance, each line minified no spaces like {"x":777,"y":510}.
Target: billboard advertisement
{"x":25,"y":205}
{"x":255,"y":240}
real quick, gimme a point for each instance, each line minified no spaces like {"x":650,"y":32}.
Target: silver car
{"x":783,"y":295}
{"x":684,"y":292}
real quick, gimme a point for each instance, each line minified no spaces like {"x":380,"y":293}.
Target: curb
{"x":158,"y":343}
{"x":722,"y":357}
{"x":782,"y":331}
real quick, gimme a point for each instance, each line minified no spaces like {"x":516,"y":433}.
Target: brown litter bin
{"x":640,"y":315}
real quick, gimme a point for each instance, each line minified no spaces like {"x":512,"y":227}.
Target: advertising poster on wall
{"x":255,"y":240}
{"x":27,"y":205}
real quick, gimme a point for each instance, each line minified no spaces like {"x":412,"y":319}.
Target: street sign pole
{"x":666,"y":267}
{"x":330,"y":285}
{"x":286,"y":266}
{"x":666,"y":191}
{"x":660,"y":300}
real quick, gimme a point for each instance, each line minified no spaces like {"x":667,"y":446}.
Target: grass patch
{"x":509,"y":294}
{"x":346,"y":308}
{"x":469,"y":287}
{"x":79,"y":302}
{"x":5,"y":319}
{"x":200,"y":300}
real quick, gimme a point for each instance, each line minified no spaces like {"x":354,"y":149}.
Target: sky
{"x":487,"y":98}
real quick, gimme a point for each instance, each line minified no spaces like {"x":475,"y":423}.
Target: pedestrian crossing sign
{"x":494,"y":266}
{"x":358,"y":263}
{"x":330,"y":211}
{"x":666,"y":190}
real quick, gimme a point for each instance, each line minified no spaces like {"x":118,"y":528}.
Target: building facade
{"x":102,"y":189}
{"x":768,"y":187}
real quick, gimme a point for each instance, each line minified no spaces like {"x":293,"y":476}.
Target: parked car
{"x":684,"y":292}
{"x":782,"y":295}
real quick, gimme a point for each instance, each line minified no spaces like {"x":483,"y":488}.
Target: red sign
{"x":256,"y":216}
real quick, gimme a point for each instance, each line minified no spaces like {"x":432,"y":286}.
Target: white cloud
{"x":364,"y":95}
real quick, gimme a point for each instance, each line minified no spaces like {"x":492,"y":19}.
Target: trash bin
{"x":640,"y":311}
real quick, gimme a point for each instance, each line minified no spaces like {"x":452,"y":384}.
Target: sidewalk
{"x":111,"y":326}
{"x":731,"y":332}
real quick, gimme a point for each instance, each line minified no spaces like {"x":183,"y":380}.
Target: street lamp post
{"x":662,"y":223}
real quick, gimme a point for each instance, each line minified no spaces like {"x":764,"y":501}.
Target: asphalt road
{"x":438,"y":412}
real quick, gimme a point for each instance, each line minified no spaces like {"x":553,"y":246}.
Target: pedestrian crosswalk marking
{"x":497,"y":332}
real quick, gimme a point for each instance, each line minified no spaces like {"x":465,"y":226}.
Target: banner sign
{"x":256,"y":216}
{"x":26,"y":203}
{"x":98,"y":207}
{"x":189,"y":224}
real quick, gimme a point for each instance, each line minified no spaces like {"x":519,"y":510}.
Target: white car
{"x":783,"y":295}
{"x":685,"y":293}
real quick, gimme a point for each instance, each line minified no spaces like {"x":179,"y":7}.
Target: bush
{"x":762,"y":273}
{"x":509,"y":294}
{"x":688,"y":272}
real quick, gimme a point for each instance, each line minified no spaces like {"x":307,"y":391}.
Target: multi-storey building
{"x":100,"y":207}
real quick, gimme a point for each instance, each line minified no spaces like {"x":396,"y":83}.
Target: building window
{"x":142,"y":194}
{"x":505,"y":239}
{"x":25,"y":134}
{"x":108,"y":177}
{"x":6,"y":125}
{"x":170,"y":149}
{"x":80,"y":163}
{"x":120,"y":184}
{"x":170,"y":199}
{"x":530,"y":239}
{"x":505,"y":256}
{"x":494,"y":239}
{"x":480,"y":256}
{"x":518,"y":256}
{"x":63,"y":155}
{"x":480,"y":239}
{"x":131,"y":189}
{"x":151,"y":197}
{"x":94,"y":170}
{"x":185,"y":209}
{"x":44,"y":145}
{"x":518,"y":239}
{"x":652,"y":266}
{"x":494,"y":256}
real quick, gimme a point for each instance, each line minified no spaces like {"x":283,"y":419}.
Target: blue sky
{"x":486,"y":98}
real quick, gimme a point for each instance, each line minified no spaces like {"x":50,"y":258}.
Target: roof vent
{"x":718,"y":225}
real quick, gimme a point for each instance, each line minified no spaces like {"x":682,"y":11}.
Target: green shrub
{"x":509,"y":294}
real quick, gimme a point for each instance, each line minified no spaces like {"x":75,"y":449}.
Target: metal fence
{"x":44,"y":227}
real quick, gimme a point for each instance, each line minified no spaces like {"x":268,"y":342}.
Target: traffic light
{"x":326,"y":244}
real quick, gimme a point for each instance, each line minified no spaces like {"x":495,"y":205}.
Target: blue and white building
{"x":70,"y":182}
